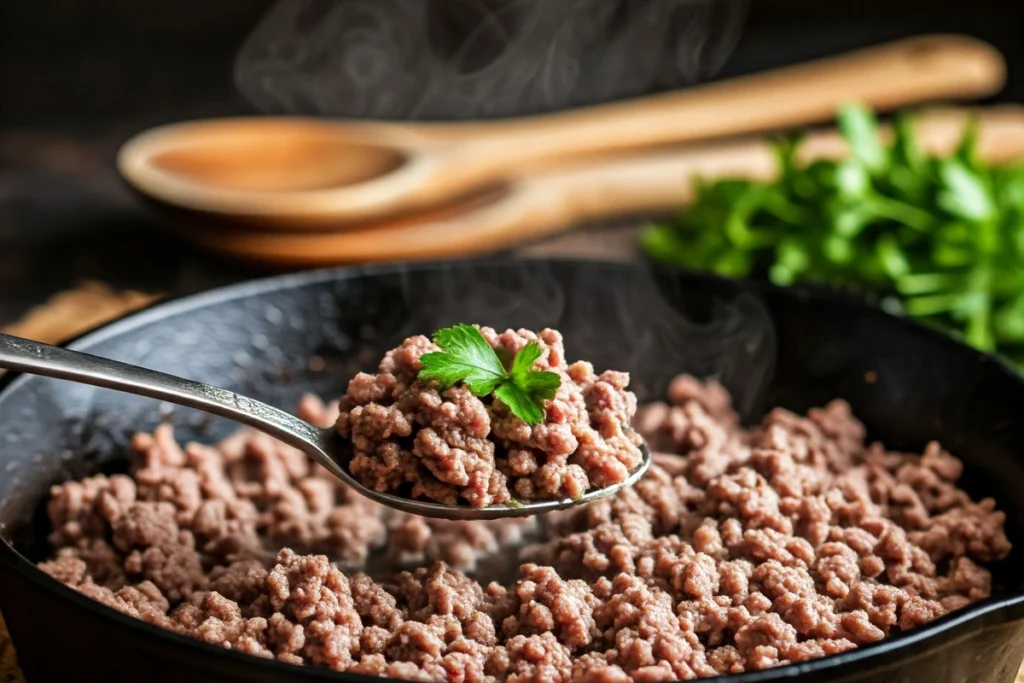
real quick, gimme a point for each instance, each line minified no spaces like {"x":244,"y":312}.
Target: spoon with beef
{"x":472,"y":424}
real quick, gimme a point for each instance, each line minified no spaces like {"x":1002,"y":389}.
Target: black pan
{"x":768,"y":346}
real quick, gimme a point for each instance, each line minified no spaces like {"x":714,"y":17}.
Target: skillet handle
{"x":885,"y":77}
{"x":36,"y":358}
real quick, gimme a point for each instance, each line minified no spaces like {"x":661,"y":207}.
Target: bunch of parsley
{"x":938,"y":238}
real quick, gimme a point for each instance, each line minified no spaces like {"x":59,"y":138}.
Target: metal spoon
{"x":325,"y":446}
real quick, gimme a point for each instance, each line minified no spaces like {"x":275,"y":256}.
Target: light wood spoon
{"x":554,"y":200}
{"x":315,"y":174}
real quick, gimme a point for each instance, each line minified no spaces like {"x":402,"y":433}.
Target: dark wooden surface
{"x":77,"y":78}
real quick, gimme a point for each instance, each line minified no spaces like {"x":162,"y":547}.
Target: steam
{"x":616,"y":316}
{"x":453,"y":59}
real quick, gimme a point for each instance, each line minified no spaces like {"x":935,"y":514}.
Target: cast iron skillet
{"x":769,"y":347}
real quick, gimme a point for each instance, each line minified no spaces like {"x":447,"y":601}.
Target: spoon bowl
{"x":282,"y":156}
{"x":324,"y":445}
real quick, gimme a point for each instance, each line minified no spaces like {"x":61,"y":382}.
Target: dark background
{"x":103,"y":62}
{"x":78,"y":77}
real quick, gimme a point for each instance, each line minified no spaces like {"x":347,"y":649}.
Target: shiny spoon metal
{"x":325,"y":446}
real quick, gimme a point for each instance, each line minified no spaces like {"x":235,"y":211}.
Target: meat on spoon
{"x":326,"y":446}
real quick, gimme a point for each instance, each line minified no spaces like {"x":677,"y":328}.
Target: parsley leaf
{"x":466,"y":357}
{"x":520,"y":403}
{"x":541,"y":383}
{"x":530,"y":388}
{"x":964,"y":193}
{"x":939,"y":238}
{"x":860,"y":128}
{"x":524,"y":360}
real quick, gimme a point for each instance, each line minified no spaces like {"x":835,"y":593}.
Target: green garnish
{"x":938,"y":238}
{"x":466,"y":357}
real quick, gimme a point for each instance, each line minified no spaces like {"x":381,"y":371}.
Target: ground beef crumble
{"x":453,"y":447}
{"x":741,"y":549}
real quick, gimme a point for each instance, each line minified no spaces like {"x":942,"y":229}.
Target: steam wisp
{"x":461,"y":59}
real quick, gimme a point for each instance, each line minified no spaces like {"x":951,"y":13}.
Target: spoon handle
{"x":52,"y":361}
{"x":662,"y":180}
{"x":885,"y":77}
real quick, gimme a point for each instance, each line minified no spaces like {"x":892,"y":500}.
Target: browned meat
{"x":740,"y":550}
{"x":453,"y":447}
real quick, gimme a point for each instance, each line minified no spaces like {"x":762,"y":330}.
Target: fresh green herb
{"x":942,"y":237}
{"x":466,"y":357}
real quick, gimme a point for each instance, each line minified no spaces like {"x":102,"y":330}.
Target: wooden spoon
{"x":555,"y":200}
{"x":316,"y":174}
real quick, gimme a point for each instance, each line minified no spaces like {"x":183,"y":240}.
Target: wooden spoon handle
{"x":905,"y":72}
{"x":663,"y":180}
{"x":556,"y":200}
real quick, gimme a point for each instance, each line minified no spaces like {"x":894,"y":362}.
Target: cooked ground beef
{"x":740,"y":550}
{"x":453,"y":447}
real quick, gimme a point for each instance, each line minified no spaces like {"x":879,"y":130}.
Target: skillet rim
{"x":985,"y":614}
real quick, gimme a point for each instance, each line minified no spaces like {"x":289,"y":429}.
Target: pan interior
{"x":280,"y":338}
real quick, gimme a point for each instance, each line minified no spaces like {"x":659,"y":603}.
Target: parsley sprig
{"x":466,"y":357}
{"x":937,"y":238}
